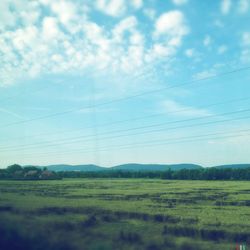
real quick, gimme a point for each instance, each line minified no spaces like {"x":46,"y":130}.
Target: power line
{"x":160,"y":142}
{"x":134,"y":77}
{"x":83,"y":138}
{"x":170,"y":143}
{"x":128,"y":97}
{"x":136,"y":118}
{"x":21,"y":94}
{"x":46,"y":87}
{"x":131,"y":129}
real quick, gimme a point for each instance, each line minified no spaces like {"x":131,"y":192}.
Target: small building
{"x":31,"y":174}
{"x":47,"y":175}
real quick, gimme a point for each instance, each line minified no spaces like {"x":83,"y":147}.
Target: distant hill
{"x":65,"y":167}
{"x":154,"y":167}
{"x":135,"y":167}
{"x":123,"y":167}
{"x":233,"y":166}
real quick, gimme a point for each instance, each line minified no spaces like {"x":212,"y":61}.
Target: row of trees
{"x":33,"y":173}
{"x":184,"y":174}
{"x":18,"y":172}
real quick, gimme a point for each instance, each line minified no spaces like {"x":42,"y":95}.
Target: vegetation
{"x":16,"y":172}
{"x":35,"y":173}
{"x":124,"y":214}
{"x":184,"y":174}
{"x":123,"y":167}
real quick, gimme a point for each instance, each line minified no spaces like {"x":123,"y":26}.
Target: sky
{"x":116,"y":81}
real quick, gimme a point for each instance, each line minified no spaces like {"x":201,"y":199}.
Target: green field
{"x":124,"y":214}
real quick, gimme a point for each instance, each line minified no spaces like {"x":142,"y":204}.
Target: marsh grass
{"x":123,"y":214}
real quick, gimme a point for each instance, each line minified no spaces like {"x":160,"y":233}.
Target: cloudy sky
{"x":117,"y":81}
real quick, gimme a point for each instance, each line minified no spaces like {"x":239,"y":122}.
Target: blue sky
{"x":72,"y":74}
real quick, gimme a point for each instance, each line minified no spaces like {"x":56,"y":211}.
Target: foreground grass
{"x":124,"y":214}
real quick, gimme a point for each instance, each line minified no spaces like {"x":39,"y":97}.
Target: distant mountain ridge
{"x":122,"y":167}
{"x":135,"y":167}
{"x":66,"y":167}
{"x":155,"y":167}
{"x":234,"y":166}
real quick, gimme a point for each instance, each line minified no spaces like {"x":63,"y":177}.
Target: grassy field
{"x":124,"y":214}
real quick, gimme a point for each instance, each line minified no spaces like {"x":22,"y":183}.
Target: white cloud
{"x":171,"y":106}
{"x":30,"y":17}
{"x":207,"y":40}
{"x":44,"y":44}
{"x":50,"y":28}
{"x":93,"y":32}
{"x":136,"y":38}
{"x":111,"y":7}
{"x":14,"y":11}
{"x":6,"y":17}
{"x":175,"y":41}
{"x":66,"y":11}
{"x":246,"y":39}
{"x":243,"y":6}
{"x":226,"y":6}
{"x":194,"y":54}
{"x":179,"y":2}
{"x":45,"y":2}
{"x":245,"y":55}
{"x":245,"y":44}
{"x":189,"y":52}
{"x":204,"y":74}
{"x":218,"y":23}
{"x":150,"y":13}
{"x":127,"y":24}
{"x":24,"y":38}
{"x":222,"y":49}
{"x":170,"y":28}
{"x":160,"y":50}
{"x":137,"y":3}
{"x":117,"y":8}
{"x":171,"y":23}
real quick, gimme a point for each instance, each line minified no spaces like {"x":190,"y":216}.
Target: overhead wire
{"x":138,"y":118}
{"x":133,"y":119}
{"x":165,"y":141}
{"x":89,"y":137}
{"x":127,"y":97}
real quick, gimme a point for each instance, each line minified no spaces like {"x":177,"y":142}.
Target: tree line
{"x":184,"y":174}
{"x":18,"y":172}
